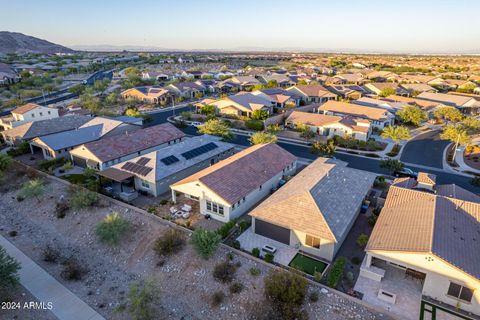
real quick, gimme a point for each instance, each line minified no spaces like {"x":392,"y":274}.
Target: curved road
{"x":425,"y":149}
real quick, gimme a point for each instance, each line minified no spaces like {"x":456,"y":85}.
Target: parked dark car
{"x":406,"y":172}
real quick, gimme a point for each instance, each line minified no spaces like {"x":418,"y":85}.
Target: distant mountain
{"x":14,"y":42}
{"x":113,"y":48}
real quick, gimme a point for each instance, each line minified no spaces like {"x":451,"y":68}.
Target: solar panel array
{"x":136,"y":168}
{"x":200,"y":150}
{"x":143,"y":161}
{"x":169,"y":160}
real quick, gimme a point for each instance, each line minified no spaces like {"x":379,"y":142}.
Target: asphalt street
{"x":425,"y":150}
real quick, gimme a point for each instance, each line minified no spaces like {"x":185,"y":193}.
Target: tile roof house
{"x":417,"y":88}
{"x":348,"y":91}
{"x":229,"y":188}
{"x":461,"y":102}
{"x":315,"y":210}
{"x":390,"y":106}
{"x":103,"y":153}
{"x":29,"y":112}
{"x":377,"y":116}
{"x":171,"y":164}
{"x":186,"y":89}
{"x":31,"y":130}
{"x":282,"y":80}
{"x":378,"y":87}
{"x":151,"y":94}
{"x":281,"y":97}
{"x":243,"y":103}
{"x":313,"y":93}
{"x":59,"y":144}
{"x":330,"y":126}
{"x":433,"y":235}
{"x":8,"y":75}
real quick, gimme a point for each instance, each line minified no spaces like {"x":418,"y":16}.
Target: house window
{"x":145,"y":184}
{"x":215,"y":208}
{"x":33,"y":115}
{"x":41,"y":114}
{"x":48,"y":112}
{"x":460,"y":292}
{"x":209,"y":206}
{"x":312,"y":241}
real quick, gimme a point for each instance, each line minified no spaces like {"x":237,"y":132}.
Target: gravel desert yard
{"x":185,"y":280}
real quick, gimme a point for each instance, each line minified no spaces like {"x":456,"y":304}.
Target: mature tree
{"x":388,"y":91}
{"x":133,"y":113}
{"x":412,"y":114}
{"x":449,"y":114}
{"x":217,"y":128}
{"x":286,"y":292}
{"x":90,"y":102}
{"x":132,"y":72}
{"x":391,"y":164}
{"x":273,"y":129}
{"x":467,"y":88}
{"x":272,"y":84}
{"x":259,"y":115}
{"x":323,"y":149}
{"x":262,"y":137}
{"x":207,"y":109}
{"x":302,"y":82}
{"x":142,"y":299}
{"x":205,"y":242}
{"x":396,"y":133}
{"x":471,"y":124}
{"x":5,"y":161}
{"x":77,"y":89}
{"x":101,"y":85}
{"x":458,"y":134}
{"x":111,"y":99}
{"x":8,"y":273}
{"x":258,"y":86}
{"x":305,"y":131}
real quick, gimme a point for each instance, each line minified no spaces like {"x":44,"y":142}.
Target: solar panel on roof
{"x":136,"y":168}
{"x":200,"y":150}
{"x":143,"y":161}
{"x":169,"y":160}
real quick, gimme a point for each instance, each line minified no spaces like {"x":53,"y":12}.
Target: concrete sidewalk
{"x":66,"y":305}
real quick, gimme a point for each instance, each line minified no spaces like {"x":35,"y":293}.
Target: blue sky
{"x":365,"y":25}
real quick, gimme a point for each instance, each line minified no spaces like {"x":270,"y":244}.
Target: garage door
{"x":272,"y":231}
{"x":79,"y":162}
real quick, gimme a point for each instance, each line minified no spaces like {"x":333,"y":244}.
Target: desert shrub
{"x":142,"y":298}
{"x":286,"y":292}
{"x":362,"y":240}
{"x":72,"y":270}
{"x":230,"y":256}
{"x":313,"y":296}
{"x":224,"y":230}
{"x":236,"y":287}
{"x":5,"y":161}
{"x":255,"y":271}
{"x":256,"y":125}
{"x":31,"y":189}
{"x":61,"y":209}
{"x":151,"y":209}
{"x":243,"y":225}
{"x":50,"y":254}
{"x":224,"y":271}
{"x":350,"y":277}
{"x":256,"y":252}
{"x":236,"y":244}
{"x":68,"y":165}
{"x":205,"y":242}
{"x":112,"y":228}
{"x":170,"y":242}
{"x":372,"y":219}
{"x":49,"y":165}
{"x":22,"y":148}
{"x":217,"y":298}
{"x":317,"y":276}
{"x":83,"y":199}
{"x":8,"y":273}
{"x":269,"y":257}
{"x":336,"y":272}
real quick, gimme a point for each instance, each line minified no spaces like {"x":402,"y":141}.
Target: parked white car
{"x":196,"y":124}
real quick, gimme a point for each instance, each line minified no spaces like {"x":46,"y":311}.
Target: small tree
{"x":286,"y":292}
{"x":32,"y":189}
{"x":412,"y":114}
{"x":262,"y":137}
{"x":391,"y":164}
{"x":205,"y":242}
{"x":8,"y":273}
{"x":449,"y":114}
{"x":217,"y":128}
{"x":273,"y":129}
{"x":112,"y":228}
{"x":259,"y":115}
{"x":142,"y":298}
{"x":323,"y":150}
{"x":458,"y":134}
{"x":389,"y":91}
{"x":207,"y":109}
{"x":362,"y":240}
{"x":336,"y":272}
{"x":83,"y":199}
{"x":170,"y":242}
{"x":396,"y":133}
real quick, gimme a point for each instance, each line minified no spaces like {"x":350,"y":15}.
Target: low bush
{"x":224,"y":271}
{"x":217,"y":298}
{"x":143,"y":296}
{"x":236,"y":287}
{"x":317,"y":276}
{"x":256,"y":125}
{"x":256,"y":252}
{"x":112,"y":228}
{"x":372,"y":219}
{"x":13,"y":233}
{"x":22,"y":148}
{"x":255,"y":271}
{"x":31,"y":189}
{"x":205,"y":242}
{"x":225,"y":229}
{"x":50,"y":254}
{"x":49,"y":165}
{"x":243,"y":225}
{"x":269,"y":257}
{"x":362,"y":240}
{"x":313,"y":297}
{"x":83,"y":199}
{"x":169,"y":243}
{"x":336,"y":272}
{"x":72,"y":270}
{"x":236,"y":244}
{"x":61,"y":209}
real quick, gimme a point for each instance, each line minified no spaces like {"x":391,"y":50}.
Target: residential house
{"x":243,"y":104}
{"x":157,"y":75}
{"x":29,"y":112}
{"x":315,"y":210}
{"x":330,"y":126}
{"x":312,"y":93}
{"x":451,"y":84}
{"x":416,"y":78}
{"x":348,"y":91}
{"x":464,"y":103}
{"x":379,"y":118}
{"x":150,"y":94}
{"x":423,"y":104}
{"x":428,"y":233}
{"x":417,"y":88}
{"x":350,"y":78}
{"x":242,"y":82}
{"x":31,"y":130}
{"x":382,"y":76}
{"x":282,"y":80}
{"x":155,"y":171}
{"x":60,"y":144}
{"x":378,"y":87}
{"x":187,"y":90}
{"x":280,"y":97}
{"x":8,"y":75}
{"x":229,"y":188}
{"x":103,"y":153}
{"x":390,"y":106}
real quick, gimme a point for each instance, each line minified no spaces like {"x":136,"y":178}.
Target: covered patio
{"x":118,"y":184}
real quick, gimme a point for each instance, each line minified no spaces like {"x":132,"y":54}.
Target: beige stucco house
{"x":29,"y":112}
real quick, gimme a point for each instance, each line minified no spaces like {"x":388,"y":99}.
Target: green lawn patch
{"x":307,"y":264}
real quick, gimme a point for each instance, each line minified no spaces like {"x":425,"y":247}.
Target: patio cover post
{"x":369,"y":260}
{"x":174,"y":196}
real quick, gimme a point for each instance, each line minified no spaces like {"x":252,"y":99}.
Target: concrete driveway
{"x":425,"y":149}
